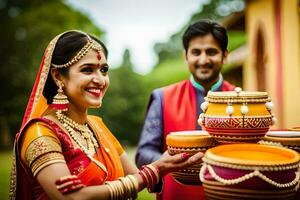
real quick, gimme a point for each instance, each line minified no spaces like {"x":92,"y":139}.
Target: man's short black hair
{"x":204,"y":27}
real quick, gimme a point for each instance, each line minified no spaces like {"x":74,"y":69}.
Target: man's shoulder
{"x":159,"y":91}
{"x":175,"y":85}
{"x":226,"y":86}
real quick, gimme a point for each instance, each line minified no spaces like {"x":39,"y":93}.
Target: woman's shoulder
{"x":38,"y":127}
{"x":38,"y":133}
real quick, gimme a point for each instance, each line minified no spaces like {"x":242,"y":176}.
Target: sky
{"x":137,"y":25}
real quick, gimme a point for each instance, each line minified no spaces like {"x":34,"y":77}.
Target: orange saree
{"x":105,"y":165}
{"x":89,"y":171}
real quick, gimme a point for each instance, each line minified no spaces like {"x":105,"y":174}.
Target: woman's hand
{"x":168,"y":163}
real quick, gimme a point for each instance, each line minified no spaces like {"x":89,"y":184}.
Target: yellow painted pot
{"x":288,"y":139}
{"x":237,"y":116}
{"x":190,"y":142}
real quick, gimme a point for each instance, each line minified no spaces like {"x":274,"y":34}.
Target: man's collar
{"x":215,"y":87}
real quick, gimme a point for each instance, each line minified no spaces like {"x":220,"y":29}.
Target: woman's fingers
{"x":178,"y":161}
{"x":194,"y":159}
{"x":178,"y":158}
{"x":187,"y":158}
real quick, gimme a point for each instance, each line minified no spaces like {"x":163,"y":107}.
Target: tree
{"x":215,"y":10}
{"x":26,"y":29}
{"x":124,"y":104}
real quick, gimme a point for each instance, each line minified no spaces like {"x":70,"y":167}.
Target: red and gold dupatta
{"x":21,"y":182}
{"x":36,"y":106}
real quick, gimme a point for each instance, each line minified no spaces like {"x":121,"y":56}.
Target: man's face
{"x":205,"y":58}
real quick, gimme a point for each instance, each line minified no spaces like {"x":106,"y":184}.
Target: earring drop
{"x":60,"y":100}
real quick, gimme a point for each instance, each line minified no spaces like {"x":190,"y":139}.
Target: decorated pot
{"x":296,"y":128}
{"x":190,"y":142}
{"x":250,"y":171}
{"x":289,"y":139}
{"x":237,"y":116}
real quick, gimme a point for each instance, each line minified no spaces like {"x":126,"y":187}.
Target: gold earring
{"x":60,"y":100}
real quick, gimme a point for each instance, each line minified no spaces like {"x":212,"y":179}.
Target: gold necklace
{"x":73,"y":128}
{"x":70,"y":125}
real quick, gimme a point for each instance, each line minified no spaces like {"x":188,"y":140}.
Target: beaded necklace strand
{"x":73,"y":127}
{"x":83,"y":130}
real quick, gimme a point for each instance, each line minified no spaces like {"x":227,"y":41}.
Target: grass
{"x":144,"y":194}
{"x":5,"y":167}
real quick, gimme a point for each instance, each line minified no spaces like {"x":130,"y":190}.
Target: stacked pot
{"x":240,"y":168}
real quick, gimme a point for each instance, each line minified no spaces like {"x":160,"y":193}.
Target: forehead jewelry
{"x":91,"y":44}
{"x":98,"y":49}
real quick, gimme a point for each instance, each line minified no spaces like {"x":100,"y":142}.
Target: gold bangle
{"x":123,"y":188}
{"x":130,"y":187}
{"x":129,"y":184}
{"x":135,"y":184}
{"x":126,"y":188}
{"x":120,"y":189}
{"x":108,"y":184}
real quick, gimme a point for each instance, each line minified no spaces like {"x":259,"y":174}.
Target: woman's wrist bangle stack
{"x":150,"y":176}
{"x":123,"y":188}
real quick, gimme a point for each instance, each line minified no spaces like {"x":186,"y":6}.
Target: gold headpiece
{"x":91,"y":44}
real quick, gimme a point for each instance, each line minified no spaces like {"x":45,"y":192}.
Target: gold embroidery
{"x":13,"y":177}
{"x":40,"y":146}
{"x":45,"y":160}
{"x":79,"y":169}
{"x":46,"y":67}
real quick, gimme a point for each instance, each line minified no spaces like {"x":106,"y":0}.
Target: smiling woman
{"x":64,"y":153}
{"x":87,"y":80}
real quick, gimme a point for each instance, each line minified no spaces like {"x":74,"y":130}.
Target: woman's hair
{"x":67,"y":46}
{"x":203,"y":28}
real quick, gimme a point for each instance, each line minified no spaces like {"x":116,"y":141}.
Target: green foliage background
{"x":123,"y":105}
{"x":28,"y":26}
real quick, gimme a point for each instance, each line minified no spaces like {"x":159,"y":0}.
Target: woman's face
{"x":87,"y":81}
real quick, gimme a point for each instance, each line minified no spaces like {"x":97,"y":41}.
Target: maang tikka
{"x":60,"y":100}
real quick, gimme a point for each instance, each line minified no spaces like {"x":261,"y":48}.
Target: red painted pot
{"x":250,"y":171}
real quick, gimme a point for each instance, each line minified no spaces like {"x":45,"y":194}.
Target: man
{"x":176,"y":107}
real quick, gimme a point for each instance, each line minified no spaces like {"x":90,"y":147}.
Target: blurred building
{"x":270,"y":60}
